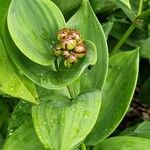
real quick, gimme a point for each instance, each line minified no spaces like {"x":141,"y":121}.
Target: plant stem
{"x":129,"y":31}
{"x":124,"y":38}
{"x":140,"y":7}
{"x":83,"y":147}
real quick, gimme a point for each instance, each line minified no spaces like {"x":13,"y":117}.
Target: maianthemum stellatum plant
{"x":73,"y":95}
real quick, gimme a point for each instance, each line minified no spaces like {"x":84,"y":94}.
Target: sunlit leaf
{"x":124,"y":143}
{"x":61,"y":123}
{"x":116,"y":94}
{"x":10,"y":83}
{"x":44,"y":75}
{"x":24,"y":138}
{"x":33,"y":27}
{"x":86,"y":22}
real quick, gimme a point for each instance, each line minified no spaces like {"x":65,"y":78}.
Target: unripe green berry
{"x":71,"y":44}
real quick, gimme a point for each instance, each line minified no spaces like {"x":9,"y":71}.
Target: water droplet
{"x":44,"y":123}
{"x":11,"y":89}
{"x":85,"y":74}
{"x":53,"y":42}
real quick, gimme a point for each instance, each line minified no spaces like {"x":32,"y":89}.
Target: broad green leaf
{"x":145,"y":48}
{"x":140,"y":130}
{"x":3,"y":8}
{"x":10,"y":83}
{"x":144,"y":96}
{"x":124,"y":143}
{"x":20,"y":115}
{"x":116,"y":94}
{"x":61,"y":123}
{"x":143,"y":130}
{"x":33,"y":27}
{"x":24,"y":138}
{"x":66,"y":6}
{"x":44,"y":75}
{"x":87,"y":23}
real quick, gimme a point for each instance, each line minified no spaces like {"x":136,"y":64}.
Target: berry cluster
{"x":70,"y":46}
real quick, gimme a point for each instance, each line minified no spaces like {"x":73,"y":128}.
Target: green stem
{"x":140,"y":7}
{"x":124,"y":38}
{"x":129,"y":31}
{"x":83,"y":147}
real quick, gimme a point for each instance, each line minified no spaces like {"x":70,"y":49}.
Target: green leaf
{"x":126,"y":7}
{"x":33,"y":27}
{"x":20,"y":115}
{"x":44,"y":75}
{"x":10,"y":83}
{"x":24,"y":138}
{"x":124,"y":143}
{"x":145,"y":48}
{"x":143,"y":130}
{"x":61,"y":123}
{"x":66,"y":6}
{"x":116,"y":94}
{"x":127,"y":3}
{"x":86,"y":22}
{"x":103,"y":5}
{"x":3,"y":8}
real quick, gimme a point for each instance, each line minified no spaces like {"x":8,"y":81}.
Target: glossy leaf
{"x":124,"y":143}
{"x":10,"y":83}
{"x":44,"y":75}
{"x":116,"y":94}
{"x":143,"y":130}
{"x":145,"y":49}
{"x":86,"y":22}
{"x":140,"y":130}
{"x":66,"y":6}
{"x":61,"y":123}
{"x":24,"y":138}
{"x":33,"y":27}
{"x":20,"y":115}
